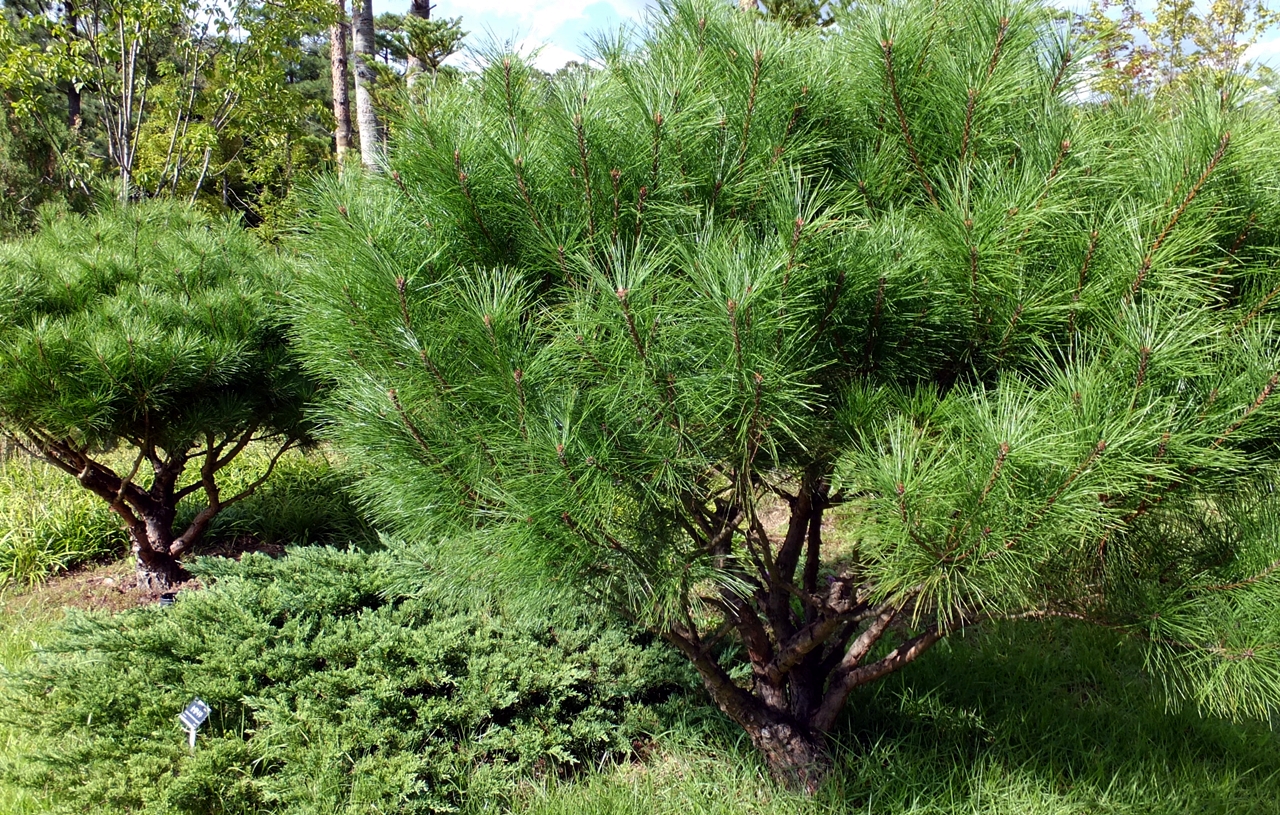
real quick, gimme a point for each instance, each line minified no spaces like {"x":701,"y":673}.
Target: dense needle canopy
{"x":596,"y":330}
{"x":154,"y":329}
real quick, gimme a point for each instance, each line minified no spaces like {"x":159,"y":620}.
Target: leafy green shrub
{"x":48,"y":523}
{"x":332,"y":690}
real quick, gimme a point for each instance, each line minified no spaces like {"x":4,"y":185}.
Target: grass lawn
{"x":25,"y":620}
{"x":1037,"y":719}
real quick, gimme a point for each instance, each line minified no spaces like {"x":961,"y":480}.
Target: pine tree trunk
{"x":416,"y":67}
{"x":797,"y":758}
{"x":338,"y":34}
{"x":796,"y":755}
{"x":366,"y":118}
{"x":157,"y":570}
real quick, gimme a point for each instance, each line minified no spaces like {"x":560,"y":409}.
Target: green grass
{"x":49,"y":523}
{"x":24,"y":622}
{"x":1046,"y":720}
{"x":305,"y":501}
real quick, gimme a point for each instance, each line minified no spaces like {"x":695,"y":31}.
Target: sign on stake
{"x":192,"y":716}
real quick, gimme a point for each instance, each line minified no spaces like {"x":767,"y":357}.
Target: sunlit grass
{"x":25,"y":621}
{"x":49,"y":523}
{"x":1041,"y":720}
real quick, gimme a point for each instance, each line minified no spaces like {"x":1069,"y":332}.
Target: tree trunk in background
{"x":338,"y":33}
{"x":73,"y":92}
{"x":747,"y":5}
{"x":365,"y":54}
{"x":416,"y":67}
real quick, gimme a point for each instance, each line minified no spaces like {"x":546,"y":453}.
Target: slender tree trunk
{"x":365,"y":54}
{"x":416,"y":67}
{"x":338,"y":34}
{"x":73,"y":92}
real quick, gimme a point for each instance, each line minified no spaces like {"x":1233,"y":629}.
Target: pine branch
{"x":887,"y":47}
{"x":1173,"y":221}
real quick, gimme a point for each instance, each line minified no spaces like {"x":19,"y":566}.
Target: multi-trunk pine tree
{"x":141,"y":351}
{"x":807,"y":350}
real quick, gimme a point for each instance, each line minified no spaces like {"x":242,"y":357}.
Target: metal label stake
{"x":192,"y":716}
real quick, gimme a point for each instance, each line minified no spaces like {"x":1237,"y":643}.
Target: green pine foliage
{"x":151,"y":321}
{"x":594,"y":331}
{"x":338,"y":682}
{"x":153,"y":329}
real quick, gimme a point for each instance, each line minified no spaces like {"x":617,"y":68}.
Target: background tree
{"x":364,"y":41}
{"x":151,"y":330}
{"x":1177,"y":42}
{"x":802,"y":13}
{"x":418,"y":10}
{"x":808,"y":349}
{"x":431,"y":42}
{"x":180,"y":97}
{"x":339,"y":33}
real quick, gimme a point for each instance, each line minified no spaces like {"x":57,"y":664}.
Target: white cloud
{"x":550,"y":57}
{"x":1265,"y":53}
{"x":553,"y":29}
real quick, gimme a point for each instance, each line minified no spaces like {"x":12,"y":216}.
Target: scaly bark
{"x":338,"y":34}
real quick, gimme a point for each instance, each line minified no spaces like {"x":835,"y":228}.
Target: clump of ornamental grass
{"x":48,"y":524}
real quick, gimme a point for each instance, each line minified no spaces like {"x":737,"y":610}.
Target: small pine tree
{"x":655,"y":332}
{"x":150,"y":329}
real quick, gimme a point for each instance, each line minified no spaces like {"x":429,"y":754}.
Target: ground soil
{"x":114,"y":586}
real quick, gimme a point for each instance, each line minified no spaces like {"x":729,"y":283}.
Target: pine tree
{"x":807,"y":350}
{"x":153,"y":330}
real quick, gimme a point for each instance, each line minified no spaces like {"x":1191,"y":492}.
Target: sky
{"x":561,"y":29}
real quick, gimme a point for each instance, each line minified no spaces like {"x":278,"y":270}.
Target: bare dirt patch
{"x":113,"y":587}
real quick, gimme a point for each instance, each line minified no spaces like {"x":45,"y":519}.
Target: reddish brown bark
{"x":809,"y":640}
{"x":338,"y":34}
